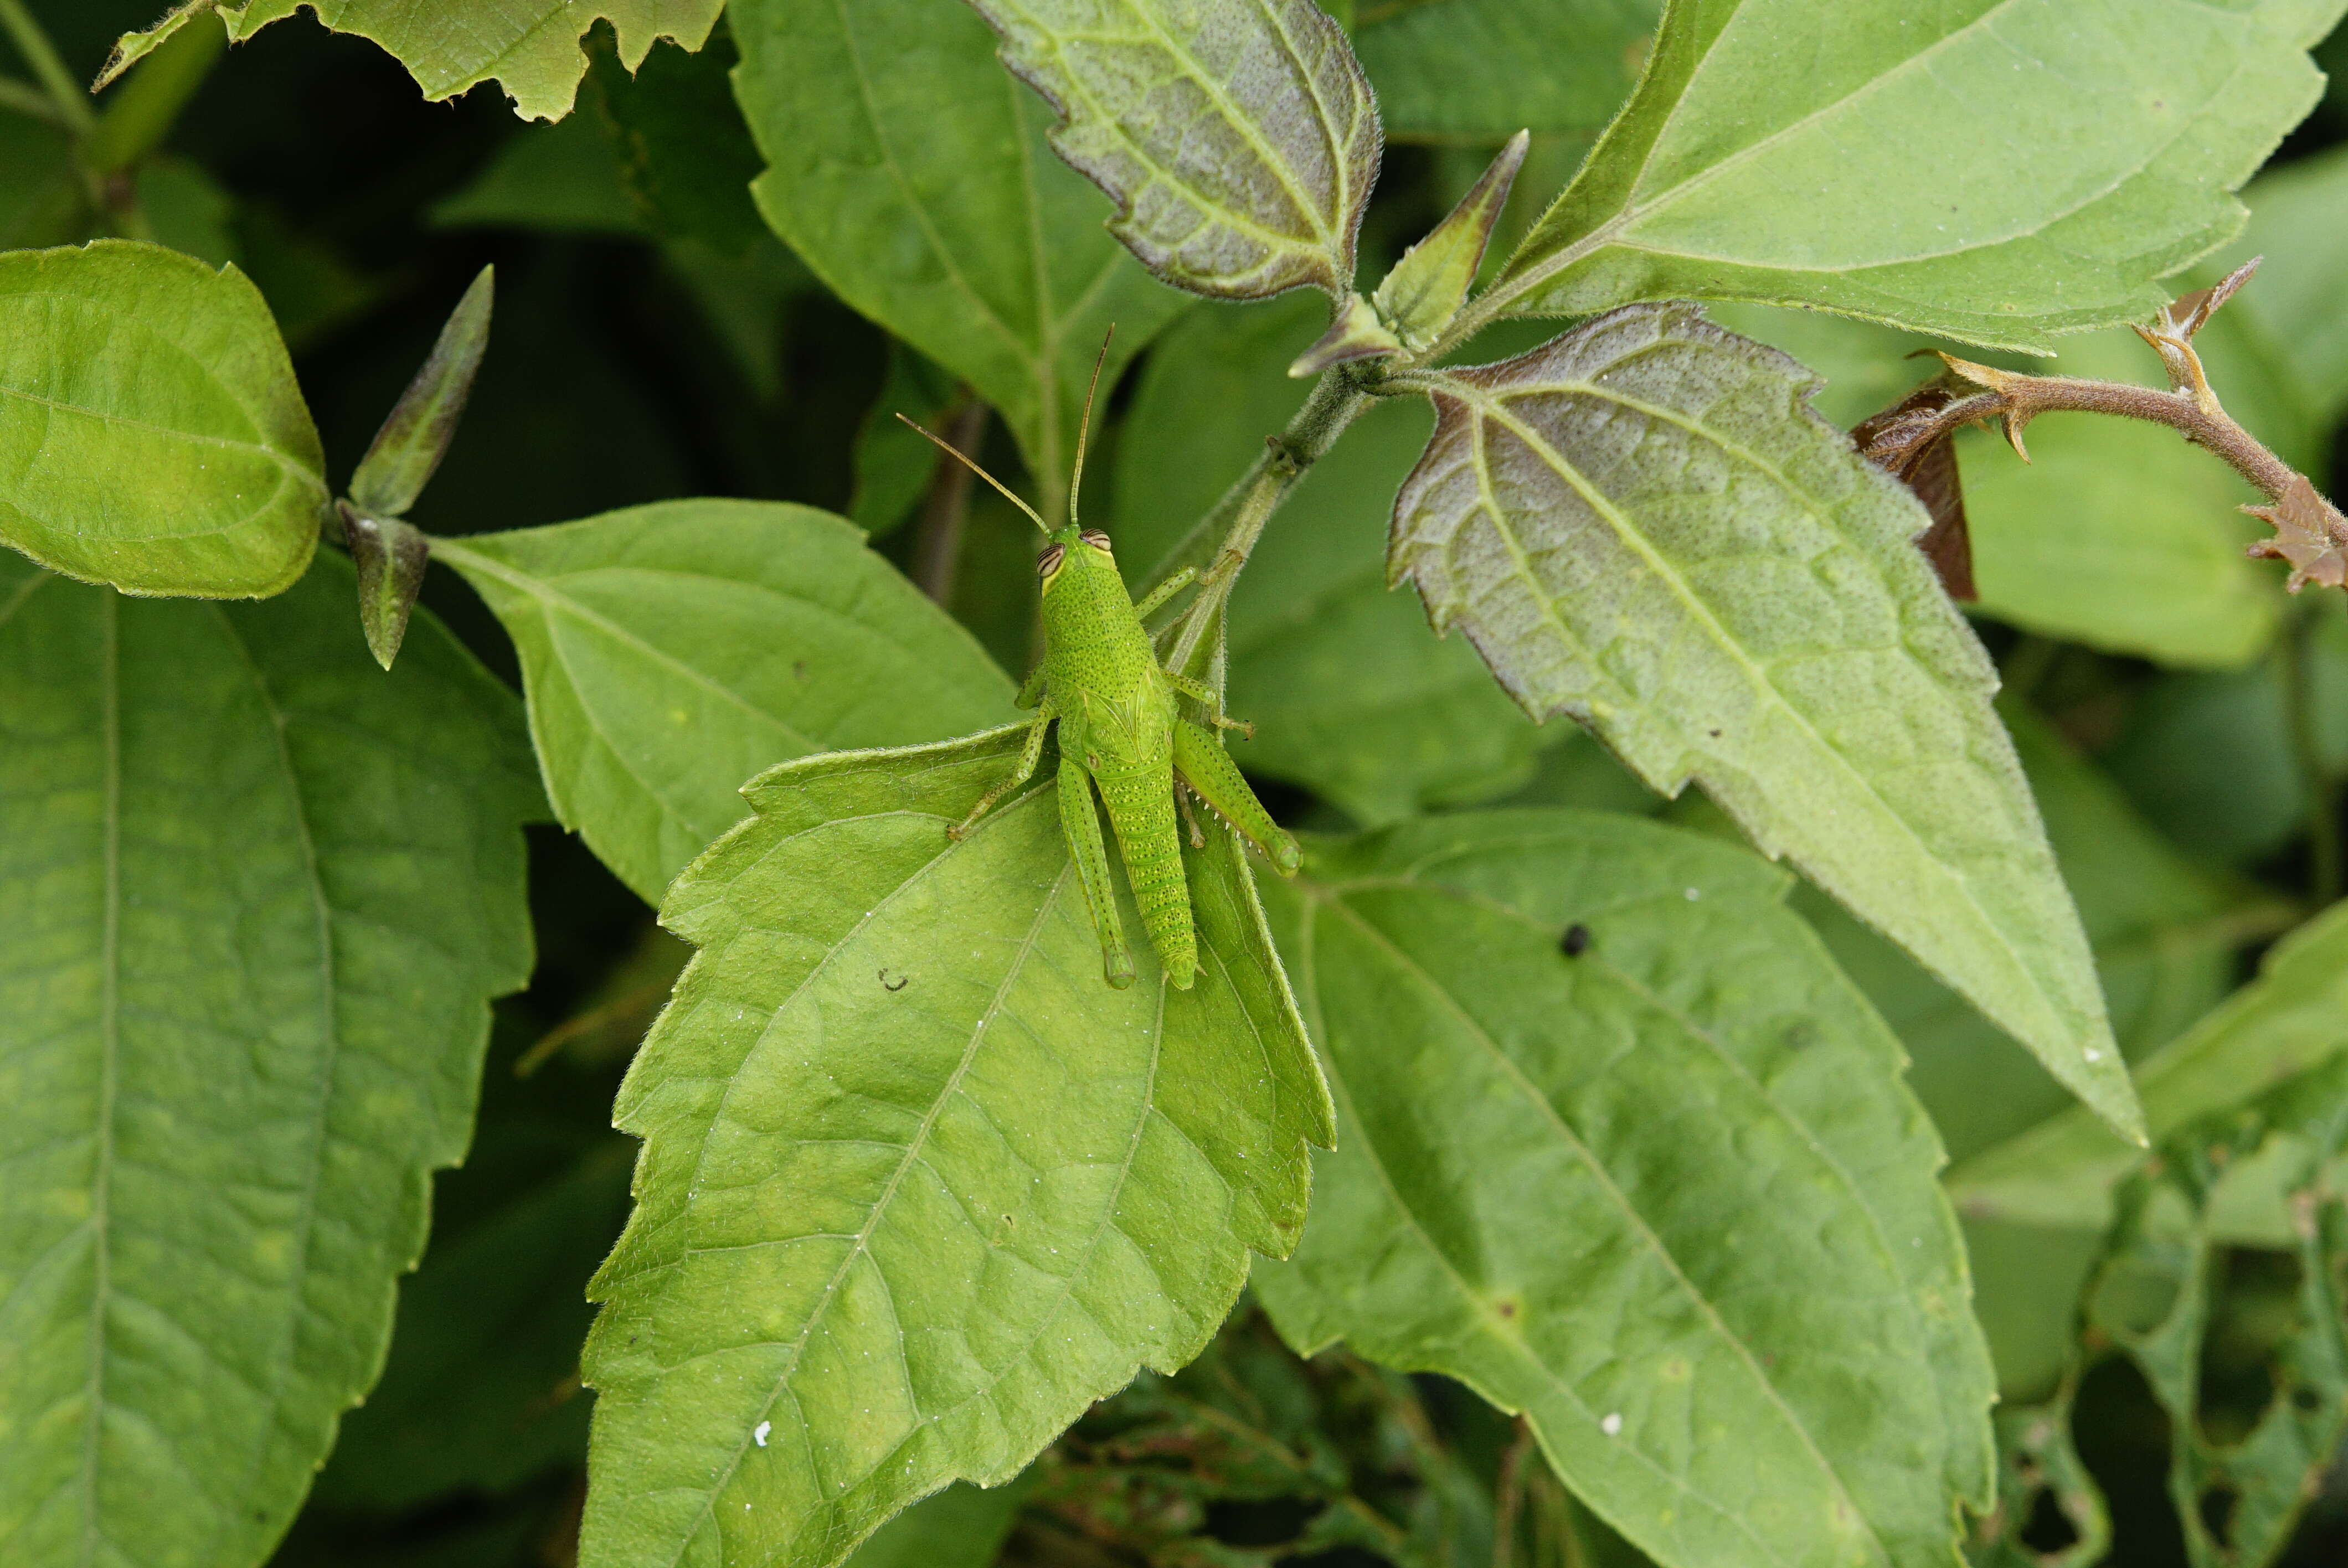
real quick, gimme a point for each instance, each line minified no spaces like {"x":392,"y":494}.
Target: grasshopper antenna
{"x":1084,"y":430}
{"x":943,"y":444}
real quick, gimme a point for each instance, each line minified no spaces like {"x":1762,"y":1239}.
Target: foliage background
{"x":643,"y":352}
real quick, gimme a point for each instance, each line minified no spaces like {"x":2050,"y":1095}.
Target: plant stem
{"x":41,"y":56}
{"x":2296,"y":650}
{"x":24,"y":99}
{"x":937,"y":545}
{"x":1511,"y":1501}
{"x":1338,"y":399}
{"x":2019,"y":398}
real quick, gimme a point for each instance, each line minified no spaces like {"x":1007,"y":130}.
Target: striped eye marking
{"x":1048,"y":561}
{"x":1096,"y":539}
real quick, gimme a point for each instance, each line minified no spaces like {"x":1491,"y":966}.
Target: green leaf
{"x":2165,"y":934}
{"x":1238,"y":138}
{"x":960,"y":1527}
{"x":917,"y":1187}
{"x":2290,"y":1021}
{"x":563,"y":178}
{"x":686,"y":157}
{"x":1480,"y":70}
{"x":893,"y":465}
{"x":2299,"y":222}
{"x":913,"y":177}
{"x":1641,"y":524}
{"x":1427,"y":286}
{"x":152,"y":434}
{"x":1996,"y":172}
{"x":671,"y":651}
{"x":1720,"y":1114}
{"x":1351,"y":695}
{"x":2238,"y":1480}
{"x":530,"y":47}
{"x":391,"y":556}
{"x":244,"y":966}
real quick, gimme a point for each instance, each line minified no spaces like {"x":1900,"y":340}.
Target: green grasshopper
{"x":1122,"y":733}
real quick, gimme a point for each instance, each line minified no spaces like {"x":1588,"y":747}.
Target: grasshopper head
{"x":1089,"y":547}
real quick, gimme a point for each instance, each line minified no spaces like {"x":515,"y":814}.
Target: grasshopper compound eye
{"x":1096,"y":539}
{"x":1048,"y":561}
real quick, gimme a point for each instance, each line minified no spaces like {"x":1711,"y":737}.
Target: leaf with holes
{"x":670,"y":652}
{"x":917,"y":1187}
{"x":2000,"y":173}
{"x":151,"y":434}
{"x":1239,"y":138}
{"x":1622,"y":1150}
{"x":913,"y":177}
{"x":1643,"y":524}
{"x":530,"y":47}
{"x":245,"y":963}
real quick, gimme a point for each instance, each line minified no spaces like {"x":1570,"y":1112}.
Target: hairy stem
{"x":2296,"y":650}
{"x":41,"y":57}
{"x":1338,"y":399}
{"x":937,"y":545}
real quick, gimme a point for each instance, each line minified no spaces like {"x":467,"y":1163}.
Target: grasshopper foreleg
{"x":1030,"y":754}
{"x":1199,"y":691}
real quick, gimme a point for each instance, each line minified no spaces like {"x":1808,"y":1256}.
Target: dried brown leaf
{"x":2306,"y":536}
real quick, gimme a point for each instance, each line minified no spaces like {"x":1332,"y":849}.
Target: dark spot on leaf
{"x":902,"y":981}
{"x":799,"y":668}
{"x":1714,"y":734}
{"x":1576,"y":940}
{"x":1505,"y":1308}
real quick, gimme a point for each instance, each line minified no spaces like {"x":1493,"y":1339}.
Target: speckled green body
{"x":1122,"y":734}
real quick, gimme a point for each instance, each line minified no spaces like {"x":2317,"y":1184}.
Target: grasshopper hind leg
{"x":1202,"y":763}
{"x":1081,"y":823}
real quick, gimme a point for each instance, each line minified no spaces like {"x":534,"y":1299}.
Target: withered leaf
{"x":1902,"y":441}
{"x":2306,"y":536}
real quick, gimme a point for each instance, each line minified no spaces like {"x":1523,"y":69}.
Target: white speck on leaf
{"x":1612,"y":1424}
{"x":758,"y":1433}
{"x":1693,"y":894}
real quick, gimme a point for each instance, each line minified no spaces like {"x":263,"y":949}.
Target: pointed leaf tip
{"x":1355,"y":334}
{"x":391,"y":555}
{"x":1429,"y":285}
{"x":415,"y":435}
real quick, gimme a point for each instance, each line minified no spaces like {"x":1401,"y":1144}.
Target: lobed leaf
{"x":530,"y":47}
{"x":1351,"y":694}
{"x":2290,"y":1021}
{"x":1656,"y":1186}
{"x":151,"y":434}
{"x":914,"y":178}
{"x":1641,"y":524}
{"x":1451,"y":71}
{"x":917,"y":1187}
{"x":1997,"y":172}
{"x":1238,"y":138}
{"x":670,"y":652}
{"x":244,"y":968}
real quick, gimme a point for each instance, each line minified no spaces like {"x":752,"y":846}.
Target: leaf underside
{"x":530,"y":47}
{"x":1996,"y":171}
{"x":912,"y":175}
{"x":918,"y":1186}
{"x":1642,"y":524}
{"x":1663,"y":1191}
{"x":670,"y":652}
{"x":1238,"y":139}
{"x":244,"y":968}
{"x":151,"y":433}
